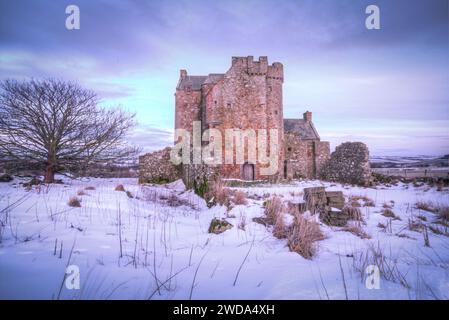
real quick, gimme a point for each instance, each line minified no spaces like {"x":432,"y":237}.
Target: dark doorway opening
{"x":248,"y":171}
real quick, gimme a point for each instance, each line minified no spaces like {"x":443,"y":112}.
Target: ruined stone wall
{"x":322,"y":155}
{"x":156,"y":167}
{"x":349,"y":163}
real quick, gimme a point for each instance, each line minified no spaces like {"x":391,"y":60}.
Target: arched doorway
{"x":248,"y":171}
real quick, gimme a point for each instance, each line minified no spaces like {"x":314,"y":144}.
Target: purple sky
{"x":388,"y":88}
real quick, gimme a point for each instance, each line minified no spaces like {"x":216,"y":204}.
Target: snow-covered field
{"x":148,"y":247}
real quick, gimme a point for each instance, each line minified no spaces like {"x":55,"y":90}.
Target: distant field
{"x":414,"y":172}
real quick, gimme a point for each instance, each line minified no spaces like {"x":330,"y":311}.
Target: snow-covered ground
{"x":146,"y":247}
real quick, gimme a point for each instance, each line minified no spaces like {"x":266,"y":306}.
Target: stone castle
{"x":249,"y":96}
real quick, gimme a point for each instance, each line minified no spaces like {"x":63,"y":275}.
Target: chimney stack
{"x":183,"y":73}
{"x":307,"y":116}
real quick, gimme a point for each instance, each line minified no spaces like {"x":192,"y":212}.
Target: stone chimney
{"x":307,"y":116}
{"x":183,"y":73}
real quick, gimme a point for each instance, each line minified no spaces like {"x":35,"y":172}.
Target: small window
{"x":229,"y":105}
{"x":289,"y":149}
{"x":276,"y":112}
{"x":270,"y":89}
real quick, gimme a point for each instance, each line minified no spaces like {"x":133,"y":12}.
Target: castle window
{"x":270,"y":89}
{"x":229,"y":105}
{"x":289,"y":149}
{"x":276,"y":112}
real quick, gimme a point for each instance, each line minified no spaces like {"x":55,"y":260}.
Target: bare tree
{"x":59,"y":125}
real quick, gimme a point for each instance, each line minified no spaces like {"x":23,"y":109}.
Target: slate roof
{"x":306,"y":130}
{"x":195,"y":82}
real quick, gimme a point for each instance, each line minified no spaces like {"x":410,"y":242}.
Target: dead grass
{"x":280,"y":230}
{"x":353,"y":213}
{"x":414,"y":225}
{"x":89,"y":188}
{"x":357,"y":230}
{"x":369,"y":203}
{"x":386,"y":212}
{"x":120,"y":187}
{"x":387,"y":265}
{"x":388,"y":205}
{"x":81,"y":193}
{"x":382,"y":226}
{"x":129,"y":194}
{"x":74,"y":202}
{"x":219,"y":192}
{"x":302,"y":236}
{"x":240,"y":198}
{"x":426,"y":206}
{"x":273,"y":207}
{"x":443,"y":213}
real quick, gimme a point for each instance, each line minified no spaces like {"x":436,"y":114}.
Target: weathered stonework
{"x":156,"y":167}
{"x":349,"y":163}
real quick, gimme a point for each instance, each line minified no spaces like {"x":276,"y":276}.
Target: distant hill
{"x":409,"y":161}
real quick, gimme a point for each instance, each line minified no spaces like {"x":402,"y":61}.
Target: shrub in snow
{"x":120,"y":187}
{"x":89,"y":188}
{"x":74,"y":202}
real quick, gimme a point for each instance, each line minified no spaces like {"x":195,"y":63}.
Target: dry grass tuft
{"x":387,"y":205}
{"x":353,"y":213}
{"x":81,"y":193}
{"x":74,"y":202}
{"x":273,"y":207}
{"x":302,"y":236}
{"x":426,"y":206}
{"x":219,"y":192}
{"x":240,"y":198}
{"x":89,"y":188}
{"x":120,"y":187}
{"x":356,"y":229}
{"x":443,"y":213}
{"x":390,"y":214}
{"x":280,"y":229}
{"x":369,"y":203}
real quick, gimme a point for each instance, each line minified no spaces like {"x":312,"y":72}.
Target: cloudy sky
{"x":388,"y":88}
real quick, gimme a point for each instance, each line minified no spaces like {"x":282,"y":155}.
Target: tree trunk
{"x":50,"y":174}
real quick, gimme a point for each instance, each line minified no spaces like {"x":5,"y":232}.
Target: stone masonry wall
{"x":349,"y":163}
{"x":305,"y":159}
{"x":248,"y":97}
{"x":156,"y":167}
